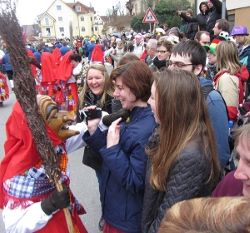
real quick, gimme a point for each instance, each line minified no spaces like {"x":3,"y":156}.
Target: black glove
{"x":57,"y":200}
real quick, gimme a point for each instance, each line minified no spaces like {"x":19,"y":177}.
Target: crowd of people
{"x":168,"y":160}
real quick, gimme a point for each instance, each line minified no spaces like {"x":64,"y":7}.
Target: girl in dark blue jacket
{"x":122,"y":148}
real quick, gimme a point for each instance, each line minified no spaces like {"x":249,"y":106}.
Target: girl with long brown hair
{"x":183,"y":161}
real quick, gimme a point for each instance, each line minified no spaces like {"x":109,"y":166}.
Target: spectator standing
{"x":7,"y":68}
{"x":151,"y":51}
{"x":164,"y":48}
{"x":214,"y":13}
{"x":203,"y":37}
{"x":122,"y":148}
{"x":221,"y":25}
{"x":183,"y":161}
{"x":240,"y":33}
{"x":138,"y":45}
{"x":229,"y":80}
{"x":201,"y":18}
{"x":191,"y":56}
{"x":118,"y":51}
{"x":188,"y":28}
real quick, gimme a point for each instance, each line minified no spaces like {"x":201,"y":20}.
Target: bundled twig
{"x":24,"y":88}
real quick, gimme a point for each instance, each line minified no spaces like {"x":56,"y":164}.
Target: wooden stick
{"x":24,"y":88}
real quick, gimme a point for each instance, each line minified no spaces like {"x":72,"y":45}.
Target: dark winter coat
{"x":122,"y":175}
{"x":200,"y":19}
{"x":213,"y":15}
{"x":187,"y":179}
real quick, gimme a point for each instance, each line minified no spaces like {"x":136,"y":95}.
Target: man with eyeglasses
{"x":191,"y":56}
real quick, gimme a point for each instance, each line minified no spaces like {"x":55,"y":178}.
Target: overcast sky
{"x":27,"y":10}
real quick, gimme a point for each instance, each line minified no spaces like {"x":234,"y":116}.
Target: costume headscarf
{"x":65,"y":67}
{"x":98,"y":54}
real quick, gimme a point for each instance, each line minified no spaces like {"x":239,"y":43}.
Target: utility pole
{"x":195,"y":7}
{"x":223,"y":12}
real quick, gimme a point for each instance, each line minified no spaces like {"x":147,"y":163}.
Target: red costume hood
{"x":98,"y":54}
{"x":65,"y":67}
{"x":56,"y":54}
{"x":48,"y":67}
{"x":20,"y":149}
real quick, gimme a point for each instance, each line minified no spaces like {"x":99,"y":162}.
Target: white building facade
{"x":64,"y":20}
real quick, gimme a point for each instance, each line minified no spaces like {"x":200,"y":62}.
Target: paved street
{"x":83,"y":179}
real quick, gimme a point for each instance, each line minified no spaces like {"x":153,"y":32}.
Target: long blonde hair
{"x":227,"y":57}
{"x":183,"y":116}
{"x":108,"y":87}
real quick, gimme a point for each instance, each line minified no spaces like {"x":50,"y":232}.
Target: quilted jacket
{"x":187,"y":179}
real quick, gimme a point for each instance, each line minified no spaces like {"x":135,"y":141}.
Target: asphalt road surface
{"x":83,"y":179}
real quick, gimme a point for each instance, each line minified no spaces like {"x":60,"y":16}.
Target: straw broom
{"x":24,"y":88}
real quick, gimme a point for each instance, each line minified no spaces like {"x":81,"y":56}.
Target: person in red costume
{"x":4,"y":88}
{"x":98,"y":53}
{"x":29,"y":200}
{"x":67,"y":96}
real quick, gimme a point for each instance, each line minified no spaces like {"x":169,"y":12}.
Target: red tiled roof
{"x":84,"y":9}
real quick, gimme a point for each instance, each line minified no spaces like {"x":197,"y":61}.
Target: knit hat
{"x":212,"y":47}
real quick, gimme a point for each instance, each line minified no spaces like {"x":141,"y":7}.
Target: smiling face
{"x":95,"y":81}
{"x":124,"y":94}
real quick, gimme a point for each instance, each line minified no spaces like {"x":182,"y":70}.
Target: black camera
{"x":90,"y":114}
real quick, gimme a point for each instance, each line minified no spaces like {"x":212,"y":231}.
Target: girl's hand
{"x":113,"y":136}
{"x":92,"y":124}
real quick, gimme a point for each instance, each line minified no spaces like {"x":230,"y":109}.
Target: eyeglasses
{"x":178,"y":64}
{"x":161,"y":51}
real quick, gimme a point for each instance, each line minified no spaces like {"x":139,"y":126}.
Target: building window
{"x":59,"y":7}
{"x":61,"y":29}
{"x":48,"y":31}
{"x":91,"y":19}
{"x":96,"y":29}
{"x":231,"y":20}
{"x":46,"y":21}
{"x":82,"y":18}
{"x":83,"y":29}
{"x":92,"y":29}
{"x":60,"y":18}
{"x":78,"y":8}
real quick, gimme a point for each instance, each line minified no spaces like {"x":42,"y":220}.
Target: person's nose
{"x":240,"y":172}
{"x":116,"y":93}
